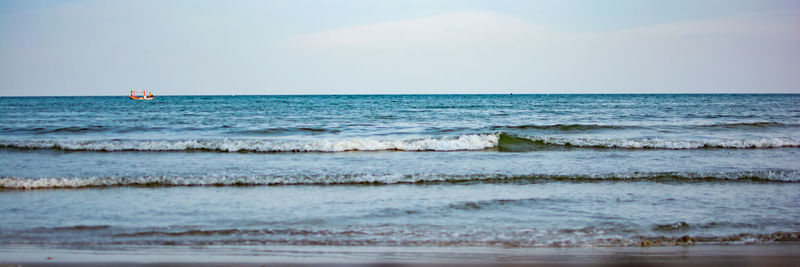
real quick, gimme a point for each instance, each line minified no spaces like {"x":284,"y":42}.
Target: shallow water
{"x":408,"y":171}
{"x":482,"y":214}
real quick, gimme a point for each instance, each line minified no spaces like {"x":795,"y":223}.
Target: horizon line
{"x":409,"y":94}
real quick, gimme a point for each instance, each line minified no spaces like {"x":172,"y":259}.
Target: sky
{"x":215,"y":47}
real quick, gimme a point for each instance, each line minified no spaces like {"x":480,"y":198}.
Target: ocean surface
{"x":494,"y":171}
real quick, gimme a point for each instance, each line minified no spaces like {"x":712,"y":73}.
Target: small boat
{"x":143,"y":97}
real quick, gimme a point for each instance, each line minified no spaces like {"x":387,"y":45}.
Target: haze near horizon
{"x":398,"y":47}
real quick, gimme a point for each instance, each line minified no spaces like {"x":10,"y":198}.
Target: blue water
{"x":411,"y":170}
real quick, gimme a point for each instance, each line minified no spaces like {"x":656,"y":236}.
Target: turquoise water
{"x":411,"y":170}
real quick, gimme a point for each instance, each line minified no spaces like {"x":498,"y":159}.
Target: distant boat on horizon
{"x":143,"y":97}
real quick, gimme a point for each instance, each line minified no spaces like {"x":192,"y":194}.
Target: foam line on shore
{"x":385,"y":179}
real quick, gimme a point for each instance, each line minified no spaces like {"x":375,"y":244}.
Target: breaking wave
{"x":566,"y":128}
{"x":524,"y":143}
{"x":385,"y":179}
{"x":464,"y":142}
{"x":467,"y":142}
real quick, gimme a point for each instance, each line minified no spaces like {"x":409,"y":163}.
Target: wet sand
{"x":698,"y":255}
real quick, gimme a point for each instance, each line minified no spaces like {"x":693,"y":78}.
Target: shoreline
{"x":749,"y":255}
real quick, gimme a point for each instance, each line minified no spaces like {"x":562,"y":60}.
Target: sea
{"x":339,"y":172}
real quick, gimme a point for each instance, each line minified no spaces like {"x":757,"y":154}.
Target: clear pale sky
{"x":398,"y":47}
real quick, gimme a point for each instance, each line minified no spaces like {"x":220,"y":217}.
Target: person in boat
{"x":150,"y":95}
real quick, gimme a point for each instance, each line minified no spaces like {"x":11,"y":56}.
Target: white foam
{"x":35,"y":183}
{"x":367,"y":178}
{"x":659,"y":143}
{"x":330,"y":179}
{"x":463,"y":142}
{"x":460,"y":143}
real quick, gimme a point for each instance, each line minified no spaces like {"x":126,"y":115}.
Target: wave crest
{"x":385,"y":179}
{"x":468,"y":142}
{"x":655,"y":143}
{"x":463,"y":142}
